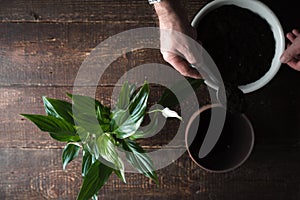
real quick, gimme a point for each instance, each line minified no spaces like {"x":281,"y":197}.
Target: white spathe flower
{"x":166,"y":112}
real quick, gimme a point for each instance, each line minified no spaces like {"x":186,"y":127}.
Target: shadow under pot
{"x":230,"y":145}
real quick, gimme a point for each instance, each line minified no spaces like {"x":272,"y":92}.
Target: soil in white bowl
{"x":240,"y":42}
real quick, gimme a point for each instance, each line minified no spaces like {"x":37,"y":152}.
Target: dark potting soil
{"x":236,"y":101}
{"x":240,"y":42}
{"x":228,"y":148}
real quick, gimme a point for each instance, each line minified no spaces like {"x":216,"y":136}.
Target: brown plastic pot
{"x":233,"y":147}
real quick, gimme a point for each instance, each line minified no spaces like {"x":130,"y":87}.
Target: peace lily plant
{"x":101,"y":133}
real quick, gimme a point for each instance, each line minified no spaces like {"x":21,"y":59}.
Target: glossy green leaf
{"x":90,"y":113}
{"x":58,"y":128}
{"x":129,"y":127}
{"x":150,"y":130}
{"x":95,"y":178}
{"x":121,"y":175}
{"x":107,"y":151}
{"x":70,"y":152}
{"x":89,"y":142}
{"x":139,"y":159}
{"x":95,"y":197}
{"x":136,"y":111}
{"x":88,"y":105}
{"x":88,"y":122}
{"x":103,"y":115}
{"x":65,"y":138}
{"x":138,"y":104}
{"x":169,"y":99}
{"x":87,"y":161}
{"x":59,"y":109}
{"x":125,"y":95}
{"x":119,"y":117}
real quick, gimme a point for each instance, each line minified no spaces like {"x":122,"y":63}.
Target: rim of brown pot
{"x":206,"y":107}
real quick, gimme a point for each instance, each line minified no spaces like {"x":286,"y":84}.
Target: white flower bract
{"x":166,"y":112}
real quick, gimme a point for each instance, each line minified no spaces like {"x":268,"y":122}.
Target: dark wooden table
{"x":42,"y":45}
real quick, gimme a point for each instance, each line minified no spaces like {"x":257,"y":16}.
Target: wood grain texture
{"x":136,"y":12}
{"x":43,"y":178}
{"x":42,"y":46}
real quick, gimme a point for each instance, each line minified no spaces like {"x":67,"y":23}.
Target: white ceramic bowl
{"x":263,"y":11}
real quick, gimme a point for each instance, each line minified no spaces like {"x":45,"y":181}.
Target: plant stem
{"x":153,"y":111}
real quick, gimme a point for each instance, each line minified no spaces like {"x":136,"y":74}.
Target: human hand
{"x":177,"y":48}
{"x":291,"y":55}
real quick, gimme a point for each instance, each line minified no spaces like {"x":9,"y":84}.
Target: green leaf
{"x":88,"y":105}
{"x":87,"y":161}
{"x":121,"y":175}
{"x":169,"y":99}
{"x":118,"y":118}
{"x":103,"y":115}
{"x":70,"y":152}
{"x":95,"y":197}
{"x":95,"y":178}
{"x":139,"y":159}
{"x":59,"y":109}
{"x":58,"y":128}
{"x":148,"y":131}
{"x":138,"y":104}
{"x":136,"y":111}
{"x":128,"y":128}
{"x":88,"y":122}
{"x":89,"y":141}
{"x":65,"y":138}
{"x":107,"y":151}
{"x":90,"y":113}
{"x":125,"y":95}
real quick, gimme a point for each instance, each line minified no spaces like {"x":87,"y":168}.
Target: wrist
{"x":168,"y":10}
{"x":165,"y":8}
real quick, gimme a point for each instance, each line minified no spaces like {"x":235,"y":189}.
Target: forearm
{"x":171,"y":14}
{"x":175,"y":47}
{"x":170,"y":9}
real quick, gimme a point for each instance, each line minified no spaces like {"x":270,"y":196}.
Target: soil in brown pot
{"x":232,"y":146}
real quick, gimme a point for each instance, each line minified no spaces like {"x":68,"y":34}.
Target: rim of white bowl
{"x":266,"y":13}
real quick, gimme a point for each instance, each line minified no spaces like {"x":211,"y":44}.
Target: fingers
{"x":296,"y":32}
{"x":291,"y":37}
{"x":181,"y":65}
{"x":292,"y":51}
{"x":288,"y":54}
{"x":295,"y":64}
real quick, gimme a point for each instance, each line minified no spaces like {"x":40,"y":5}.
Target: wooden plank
{"x":51,"y":54}
{"x":83,"y":11}
{"x":42,"y":177}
